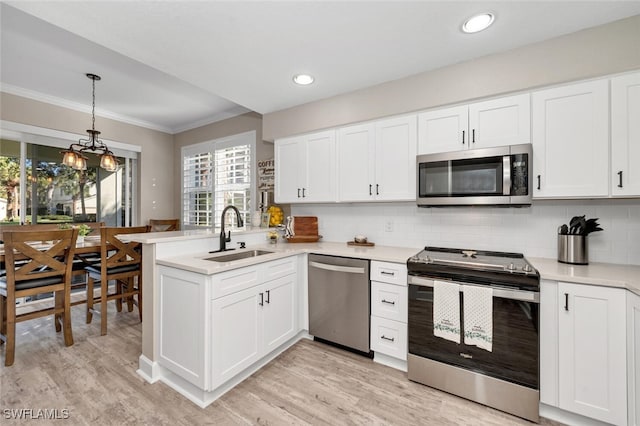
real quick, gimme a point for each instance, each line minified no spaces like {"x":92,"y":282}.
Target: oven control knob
{"x":511,"y":267}
{"x":527,"y":268}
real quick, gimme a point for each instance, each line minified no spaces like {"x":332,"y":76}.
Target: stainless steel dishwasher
{"x":339,"y":300}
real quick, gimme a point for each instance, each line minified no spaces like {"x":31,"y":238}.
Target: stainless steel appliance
{"x":507,"y":377}
{"x":339,"y":300}
{"x":488,"y":176}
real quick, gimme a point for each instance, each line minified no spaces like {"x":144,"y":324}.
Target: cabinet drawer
{"x":389,"y":301}
{"x":392,"y":273}
{"x":280,"y":268}
{"x":235,"y":280}
{"x":389,"y":337}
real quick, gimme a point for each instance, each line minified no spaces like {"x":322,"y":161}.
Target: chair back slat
{"x":116,"y":251}
{"x":164,"y":225}
{"x":25,"y":261}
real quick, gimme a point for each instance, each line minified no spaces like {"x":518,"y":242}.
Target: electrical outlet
{"x":388,"y":226}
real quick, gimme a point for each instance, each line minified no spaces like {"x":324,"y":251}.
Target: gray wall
{"x":155,"y":165}
{"x":598,"y":51}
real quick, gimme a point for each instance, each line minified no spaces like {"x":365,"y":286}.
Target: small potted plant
{"x":83,"y":230}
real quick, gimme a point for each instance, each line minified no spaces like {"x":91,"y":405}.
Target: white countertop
{"x":603,"y":274}
{"x":198,"y":263}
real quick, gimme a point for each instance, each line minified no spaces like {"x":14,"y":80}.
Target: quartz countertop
{"x":603,"y":274}
{"x":198,"y":262}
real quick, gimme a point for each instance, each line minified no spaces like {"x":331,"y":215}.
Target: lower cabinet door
{"x":236,"y":330}
{"x":389,"y":337}
{"x":278,"y":311}
{"x":592,"y":351}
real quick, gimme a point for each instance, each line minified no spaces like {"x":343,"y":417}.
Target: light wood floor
{"x":311,"y":383}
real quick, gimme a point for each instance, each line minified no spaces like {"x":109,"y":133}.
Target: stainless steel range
{"x":480,"y":339}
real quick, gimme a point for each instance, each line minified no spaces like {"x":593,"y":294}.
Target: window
{"x":35,"y":187}
{"x":217,"y":174}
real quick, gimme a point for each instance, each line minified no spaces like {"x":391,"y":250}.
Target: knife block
{"x":573,"y":249}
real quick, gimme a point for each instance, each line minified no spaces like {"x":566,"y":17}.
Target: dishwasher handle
{"x":337,"y":268}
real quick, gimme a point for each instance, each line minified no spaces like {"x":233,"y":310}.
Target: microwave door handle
{"x":506,"y":175}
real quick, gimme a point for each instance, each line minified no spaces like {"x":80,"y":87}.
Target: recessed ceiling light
{"x":303,"y":79}
{"x":478,"y":23}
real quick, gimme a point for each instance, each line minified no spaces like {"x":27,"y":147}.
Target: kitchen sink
{"x":237,"y":256}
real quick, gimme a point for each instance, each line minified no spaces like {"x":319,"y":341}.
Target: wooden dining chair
{"x":162,"y":225}
{"x":120,"y":261}
{"x":33,"y":270}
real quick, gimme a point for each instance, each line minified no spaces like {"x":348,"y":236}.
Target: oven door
{"x":514,"y":357}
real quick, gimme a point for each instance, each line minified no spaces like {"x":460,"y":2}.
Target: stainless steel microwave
{"x":498,"y":176}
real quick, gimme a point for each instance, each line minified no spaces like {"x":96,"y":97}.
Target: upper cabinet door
{"x":500,"y":122}
{"x":443,"y":130}
{"x":571,"y":141}
{"x":305,"y":168}
{"x":356,"y":162}
{"x":396,"y":141}
{"x":319,"y":181}
{"x":287,"y":158}
{"x":625,"y":135}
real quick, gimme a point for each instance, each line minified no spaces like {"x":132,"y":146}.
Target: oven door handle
{"x":501,"y":292}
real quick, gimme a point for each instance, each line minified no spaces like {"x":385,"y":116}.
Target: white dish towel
{"x":446,"y":310}
{"x":478,"y":316}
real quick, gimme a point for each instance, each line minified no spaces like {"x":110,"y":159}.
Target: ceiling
{"x":175,"y":65}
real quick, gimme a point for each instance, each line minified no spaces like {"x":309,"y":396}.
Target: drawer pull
{"x":387,"y":273}
{"x":391,"y":339}
{"x":388,"y":302}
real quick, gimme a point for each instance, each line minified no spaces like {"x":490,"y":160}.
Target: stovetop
{"x":475,"y":266}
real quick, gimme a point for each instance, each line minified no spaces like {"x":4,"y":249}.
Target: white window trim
{"x":246,"y":138}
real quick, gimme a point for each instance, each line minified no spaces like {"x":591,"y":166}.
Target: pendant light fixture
{"x":74,"y":156}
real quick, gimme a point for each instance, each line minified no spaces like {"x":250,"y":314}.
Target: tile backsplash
{"x":529,"y":230}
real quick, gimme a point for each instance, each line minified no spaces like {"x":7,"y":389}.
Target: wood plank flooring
{"x":311,"y":383}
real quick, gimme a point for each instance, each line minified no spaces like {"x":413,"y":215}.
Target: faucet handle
{"x":242,"y":244}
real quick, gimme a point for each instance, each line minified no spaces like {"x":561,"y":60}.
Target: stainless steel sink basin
{"x":237,"y":256}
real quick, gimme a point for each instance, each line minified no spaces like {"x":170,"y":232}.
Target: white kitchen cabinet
{"x":495,"y":122}
{"x":214,"y":327}
{"x":571,"y":141}
{"x":305,"y":168}
{"x":633,"y":357}
{"x":592,"y":351}
{"x":625,"y":135}
{"x":279,"y":316}
{"x":236,"y":337}
{"x":249,"y":324}
{"x":376,"y":161}
{"x":389,"y":307}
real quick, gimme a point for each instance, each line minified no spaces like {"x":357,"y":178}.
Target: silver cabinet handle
{"x":388,"y":302}
{"x":336,"y":268}
{"x":268,"y":297}
{"x":391,"y":339}
{"x":261,"y":303}
{"x":387,"y":273}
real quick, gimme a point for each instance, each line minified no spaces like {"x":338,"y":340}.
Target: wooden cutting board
{"x":305,"y":226}
{"x":305,"y":229}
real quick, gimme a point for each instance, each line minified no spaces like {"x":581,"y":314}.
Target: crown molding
{"x":234,"y":112}
{"x":53,"y":100}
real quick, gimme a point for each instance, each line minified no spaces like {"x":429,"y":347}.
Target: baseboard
{"x":148,"y":370}
{"x":566,"y":417}
{"x":390,"y":361}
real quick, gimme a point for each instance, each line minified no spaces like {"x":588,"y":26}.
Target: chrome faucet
{"x":224,"y":239}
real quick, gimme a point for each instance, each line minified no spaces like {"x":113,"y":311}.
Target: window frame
{"x":246,"y":138}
